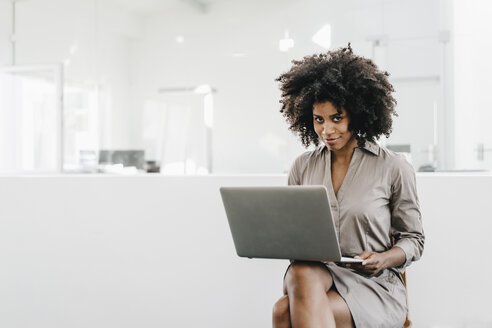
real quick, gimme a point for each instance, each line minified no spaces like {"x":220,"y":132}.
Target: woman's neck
{"x":344,"y":155}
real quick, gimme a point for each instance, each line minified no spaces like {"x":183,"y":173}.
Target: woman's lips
{"x":331,"y":141}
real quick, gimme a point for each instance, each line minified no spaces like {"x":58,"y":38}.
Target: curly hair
{"x":347,"y":81}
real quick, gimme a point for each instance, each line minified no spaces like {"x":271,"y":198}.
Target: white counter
{"x":156,"y":251}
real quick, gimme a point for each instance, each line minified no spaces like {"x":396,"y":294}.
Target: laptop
{"x":288,"y":222}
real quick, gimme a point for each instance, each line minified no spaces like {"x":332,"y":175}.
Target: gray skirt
{"x":374,"y":302}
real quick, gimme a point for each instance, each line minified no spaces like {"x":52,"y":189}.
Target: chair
{"x":408,"y":322}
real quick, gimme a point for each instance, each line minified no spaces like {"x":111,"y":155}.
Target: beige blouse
{"x":376,"y":201}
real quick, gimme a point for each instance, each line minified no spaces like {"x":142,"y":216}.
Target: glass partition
{"x":31,"y":119}
{"x":131,"y":70}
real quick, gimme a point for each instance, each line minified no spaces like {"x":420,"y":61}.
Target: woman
{"x":345,"y":102}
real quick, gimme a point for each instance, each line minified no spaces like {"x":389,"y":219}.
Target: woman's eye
{"x":318,"y":119}
{"x":337,"y":119}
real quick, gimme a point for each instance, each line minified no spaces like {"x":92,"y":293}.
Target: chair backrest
{"x":408,"y":322}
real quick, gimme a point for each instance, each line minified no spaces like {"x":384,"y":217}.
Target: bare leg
{"x":307,"y":285}
{"x":281,"y":315}
{"x":341,"y":312}
{"x":343,"y":318}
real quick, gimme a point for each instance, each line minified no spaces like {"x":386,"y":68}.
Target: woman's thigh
{"x":316,"y":275}
{"x":305,"y":274}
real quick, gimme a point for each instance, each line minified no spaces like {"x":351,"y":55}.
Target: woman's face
{"x":332,"y":127}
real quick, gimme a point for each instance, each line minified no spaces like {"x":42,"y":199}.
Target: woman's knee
{"x":308,"y":272}
{"x":281,"y":309}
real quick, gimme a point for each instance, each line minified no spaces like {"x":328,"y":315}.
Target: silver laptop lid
{"x":290,"y":222}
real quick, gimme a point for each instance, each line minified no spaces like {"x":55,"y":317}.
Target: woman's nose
{"x":328,"y":129}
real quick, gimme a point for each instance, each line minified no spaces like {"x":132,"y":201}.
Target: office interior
{"x":120,"y":120}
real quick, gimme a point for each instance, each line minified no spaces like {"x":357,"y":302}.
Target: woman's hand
{"x":372,"y":264}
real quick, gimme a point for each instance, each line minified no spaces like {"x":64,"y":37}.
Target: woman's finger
{"x":364,"y":255}
{"x":370,"y":259}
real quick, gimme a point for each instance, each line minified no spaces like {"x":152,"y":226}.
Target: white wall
{"x":5,"y":32}
{"x":153,"y":251}
{"x":451,"y":285}
{"x":118,"y":252}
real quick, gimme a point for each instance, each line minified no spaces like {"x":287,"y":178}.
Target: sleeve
{"x":406,"y":219}
{"x":294,"y":177}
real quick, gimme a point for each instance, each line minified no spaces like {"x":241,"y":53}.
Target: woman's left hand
{"x":372,"y":264}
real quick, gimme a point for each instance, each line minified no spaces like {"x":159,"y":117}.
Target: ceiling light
{"x":323,"y":37}
{"x":203,"y":89}
{"x":286,"y":43}
{"x":180,"y":39}
{"x":238,"y":55}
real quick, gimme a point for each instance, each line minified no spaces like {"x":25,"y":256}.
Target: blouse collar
{"x":370,"y":146}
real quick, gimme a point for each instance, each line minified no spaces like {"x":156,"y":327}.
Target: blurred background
{"x":181,"y":95}
{"x":187,"y":86}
